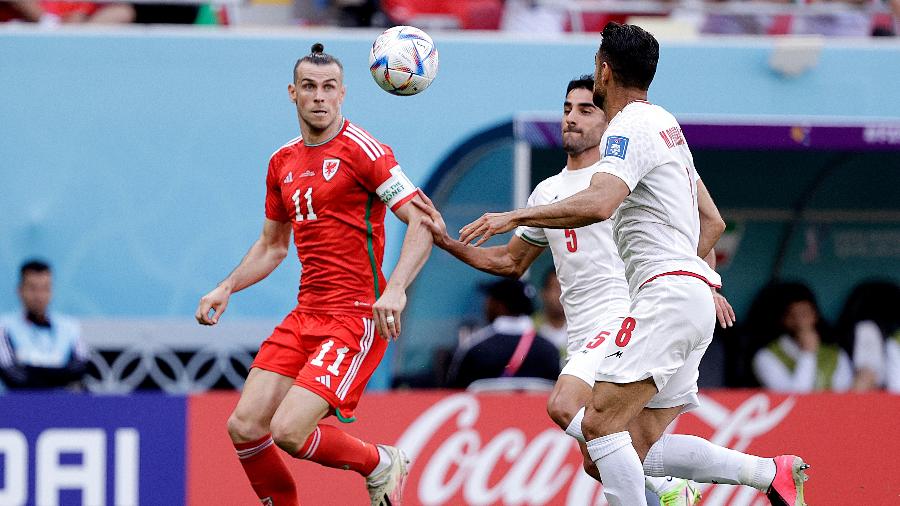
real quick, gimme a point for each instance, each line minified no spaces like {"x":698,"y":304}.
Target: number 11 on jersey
{"x":310,"y":215}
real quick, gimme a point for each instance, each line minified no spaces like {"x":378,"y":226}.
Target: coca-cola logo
{"x":513,"y":469}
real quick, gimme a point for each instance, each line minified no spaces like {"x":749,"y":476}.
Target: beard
{"x":576,"y":146}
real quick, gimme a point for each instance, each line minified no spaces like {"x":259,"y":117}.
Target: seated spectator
{"x":509,"y":346}
{"x":869,"y":327}
{"x":49,"y":12}
{"x":38,"y":348}
{"x":551,"y":321}
{"x":798,"y":359}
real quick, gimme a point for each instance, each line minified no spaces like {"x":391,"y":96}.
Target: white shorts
{"x":668,"y":329}
{"x":582,"y":362}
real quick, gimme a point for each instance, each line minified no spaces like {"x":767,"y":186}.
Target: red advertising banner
{"x":503,"y":449}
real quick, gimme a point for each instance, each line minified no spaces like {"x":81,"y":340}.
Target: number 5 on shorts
{"x":624,"y":334}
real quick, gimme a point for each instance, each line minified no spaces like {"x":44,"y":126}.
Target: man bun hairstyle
{"x":631,"y":52}
{"x":318,"y":56}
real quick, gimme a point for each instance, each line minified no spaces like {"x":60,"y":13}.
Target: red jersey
{"x":336,"y":195}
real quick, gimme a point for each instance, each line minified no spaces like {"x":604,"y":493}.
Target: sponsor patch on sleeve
{"x":616,"y":146}
{"x":396,"y":190}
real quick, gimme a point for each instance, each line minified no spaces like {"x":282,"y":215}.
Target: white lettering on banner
{"x":127,"y":466}
{"x":547,"y":452}
{"x":458,"y":450}
{"x":737,"y":429}
{"x":14,"y":448}
{"x":89,"y":476}
{"x":539,"y":470}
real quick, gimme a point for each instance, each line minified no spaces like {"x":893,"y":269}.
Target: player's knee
{"x":287,"y":438}
{"x":560,"y":411}
{"x":599,"y":423}
{"x":243,"y":430}
{"x":287,"y":443}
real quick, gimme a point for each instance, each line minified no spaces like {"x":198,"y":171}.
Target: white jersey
{"x":590,"y":271}
{"x":657,"y":227}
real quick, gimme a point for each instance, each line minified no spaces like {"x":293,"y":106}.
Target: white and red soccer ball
{"x":403,"y":60}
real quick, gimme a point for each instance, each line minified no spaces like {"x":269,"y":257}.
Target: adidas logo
{"x":325,"y":380}
{"x":289,"y":178}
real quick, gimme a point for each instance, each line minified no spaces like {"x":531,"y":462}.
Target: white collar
{"x":512,"y":324}
{"x":789,"y":346}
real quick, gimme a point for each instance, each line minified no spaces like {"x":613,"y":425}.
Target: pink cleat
{"x":787,"y":487}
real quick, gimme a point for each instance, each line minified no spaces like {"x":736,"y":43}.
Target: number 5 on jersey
{"x":571,"y":240}
{"x":311,"y":214}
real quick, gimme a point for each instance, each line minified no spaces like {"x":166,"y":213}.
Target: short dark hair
{"x":318,"y":56}
{"x":585,"y":82}
{"x":631,"y":52}
{"x":513,"y":293}
{"x":33,"y":266}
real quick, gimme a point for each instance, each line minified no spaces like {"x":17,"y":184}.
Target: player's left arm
{"x":416,"y":248}
{"x":595,"y":203}
{"x":711,"y":228}
{"x":711,"y":223}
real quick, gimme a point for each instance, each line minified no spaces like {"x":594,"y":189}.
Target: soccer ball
{"x":403,"y":60}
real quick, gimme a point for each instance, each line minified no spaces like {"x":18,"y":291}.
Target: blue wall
{"x":134,"y":160}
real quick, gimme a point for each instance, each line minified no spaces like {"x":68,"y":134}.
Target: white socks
{"x":697,"y":459}
{"x":620,"y":467}
{"x":574,"y":428}
{"x":384,"y":460}
{"x":660,"y":486}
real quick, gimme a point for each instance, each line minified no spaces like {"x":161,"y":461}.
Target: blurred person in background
{"x":531,"y":16}
{"x":345,"y":13}
{"x":40,"y":348}
{"x":799,"y":357}
{"x":51,"y":13}
{"x":846,"y":18}
{"x":869,"y":329}
{"x":551,"y":320}
{"x":509,"y":346}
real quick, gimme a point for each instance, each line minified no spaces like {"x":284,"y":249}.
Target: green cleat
{"x":682,"y":493}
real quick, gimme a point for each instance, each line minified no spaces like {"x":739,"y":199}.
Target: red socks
{"x":327,"y":445}
{"x":332,"y":447}
{"x":268,"y":475}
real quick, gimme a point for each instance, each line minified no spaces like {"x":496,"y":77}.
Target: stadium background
{"x":133,"y":161}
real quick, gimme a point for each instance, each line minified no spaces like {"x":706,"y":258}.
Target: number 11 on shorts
{"x":334,"y":368}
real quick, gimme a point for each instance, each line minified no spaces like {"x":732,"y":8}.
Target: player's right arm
{"x":263,"y":257}
{"x":510,"y":260}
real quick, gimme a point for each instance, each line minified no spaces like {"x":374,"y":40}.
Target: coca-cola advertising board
{"x":503,"y":449}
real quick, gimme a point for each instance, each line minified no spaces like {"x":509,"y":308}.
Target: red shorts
{"x":331,"y":355}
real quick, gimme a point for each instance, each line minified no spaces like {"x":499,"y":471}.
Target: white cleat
{"x":386,"y":487}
